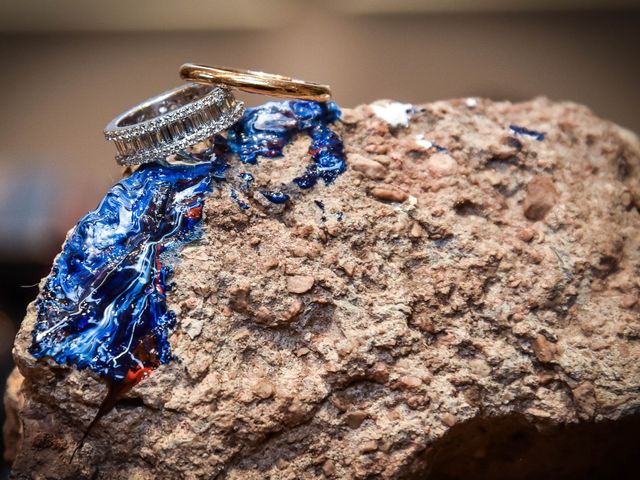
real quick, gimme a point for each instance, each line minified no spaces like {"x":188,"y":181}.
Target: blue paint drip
{"x":275,"y":197}
{"x":105,"y":297}
{"x":526,"y":132}
{"x":103,"y":306}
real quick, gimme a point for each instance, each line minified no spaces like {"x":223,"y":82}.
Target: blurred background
{"x":68,"y":67}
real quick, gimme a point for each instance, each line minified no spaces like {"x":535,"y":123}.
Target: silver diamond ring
{"x":172,"y":121}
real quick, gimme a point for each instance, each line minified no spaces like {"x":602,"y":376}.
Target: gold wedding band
{"x":255,"y":82}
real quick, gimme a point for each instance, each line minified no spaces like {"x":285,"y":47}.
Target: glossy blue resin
{"x":104,"y":306}
{"x":241,"y":203}
{"x":266,"y":130}
{"x":526,"y":132}
{"x":275,"y":197}
{"x":105,"y":296}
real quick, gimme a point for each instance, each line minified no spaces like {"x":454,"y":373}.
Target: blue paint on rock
{"x":525,"y":132}
{"x":266,"y":130}
{"x":275,"y":197}
{"x":103,"y":306}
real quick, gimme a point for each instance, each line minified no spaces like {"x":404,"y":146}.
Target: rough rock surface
{"x":494,"y":281}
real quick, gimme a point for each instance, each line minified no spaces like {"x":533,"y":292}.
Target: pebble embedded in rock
{"x":544,"y":350}
{"x":409,"y":381}
{"x":354,"y":419}
{"x":541,"y":197}
{"x":389,"y":194}
{"x":264,"y":389}
{"x":300,"y":283}
{"x":369,"y":168}
{"x":526,"y":234}
{"x":369,"y":446}
{"x":449,"y":420}
{"x":442,"y":164}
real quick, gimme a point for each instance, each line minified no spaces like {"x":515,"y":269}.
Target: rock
{"x":12,"y":429}
{"x":427,"y":326}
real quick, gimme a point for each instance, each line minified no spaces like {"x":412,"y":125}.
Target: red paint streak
{"x":194,"y":213}
{"x":134,"y":377}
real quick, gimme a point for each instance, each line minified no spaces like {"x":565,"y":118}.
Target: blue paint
{"x":266,"y":130}
{"x":515,"y":143}
{"x":103,"y":306}
{"x":439,"y":148}
{"x":275,"y":197}
{"x":241,"y":203}
{"x":320,"y":205}
{"x":526,"y":132}
{"x":247,"y":180}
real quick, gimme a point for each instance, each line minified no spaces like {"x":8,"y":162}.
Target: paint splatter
{"x":241,"y":203}
{"x":103,"y":306}
{"x":525,"y":132}
{"x":266,"y":130}
{"x":275,"y":197}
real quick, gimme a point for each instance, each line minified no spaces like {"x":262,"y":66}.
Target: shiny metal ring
{"x":255,"y":82}
{"x":172,"y":121}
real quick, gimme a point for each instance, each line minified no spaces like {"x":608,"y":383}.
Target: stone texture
{"x":439,"y":296}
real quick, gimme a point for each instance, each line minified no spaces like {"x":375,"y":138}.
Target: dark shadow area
{"x":512,"y":448}
{"x":18,"y":287}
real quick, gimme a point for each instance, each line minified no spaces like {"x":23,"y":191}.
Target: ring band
{"x":255,"y":82}
{"x":172,"y":121}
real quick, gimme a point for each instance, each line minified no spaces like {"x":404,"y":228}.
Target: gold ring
{"x":255,"y":82}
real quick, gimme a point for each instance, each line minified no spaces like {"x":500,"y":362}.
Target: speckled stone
{"x":496,"y":275}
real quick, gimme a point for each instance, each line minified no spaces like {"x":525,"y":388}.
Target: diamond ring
{"x":172,"y":121}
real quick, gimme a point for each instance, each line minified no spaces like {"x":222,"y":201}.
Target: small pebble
{"x":300,"y":283}
{"x":541,"y":197}
{"x":355,"y":418}
{"x":263,"y":389}
{"x":389,"y":195}
{"x":449,"y":420}
{"x":329,"y":468}
{"x":409,"y":381}
{"x":369,"y":168}
{"x":544,"y":350}
{"x":369,"y":446}
{"x":526,"y":234}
